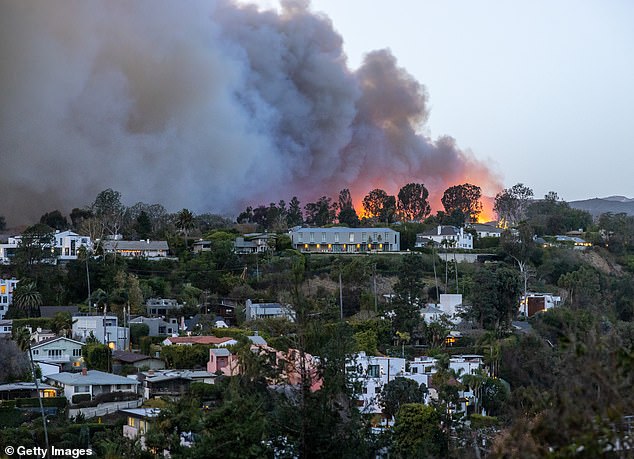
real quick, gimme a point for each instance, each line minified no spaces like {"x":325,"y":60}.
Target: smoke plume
{"x":205,"y":104}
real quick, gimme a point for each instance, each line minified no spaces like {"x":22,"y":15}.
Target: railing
{"x":102,"y":410}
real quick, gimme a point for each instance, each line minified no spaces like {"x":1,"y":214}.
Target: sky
{"x":542,"y":90}
{"x":228,"y":103}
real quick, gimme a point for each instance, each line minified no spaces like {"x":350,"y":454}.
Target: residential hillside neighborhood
{"x":320,"y":333}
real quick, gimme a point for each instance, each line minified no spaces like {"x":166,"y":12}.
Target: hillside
{"x":598,"y":206}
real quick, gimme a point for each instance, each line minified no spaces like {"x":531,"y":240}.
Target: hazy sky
{"x":542,"y":89}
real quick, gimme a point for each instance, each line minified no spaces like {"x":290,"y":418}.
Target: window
{"x":80,"y":389}
{"x":300,"y":237}
{"x":351,"y":237}
{"x":414,"y":370}
{"x":336,"y":237}
{"x":365,"y":390}
{"x":54,"y":352}
{"x":76,"y":352}
{"x":377,"y":390}
{"x":36,"y":351}
{"x":323,"y":237}
{"x":363,"y":236}
{"x":312,"y":237}
{"x":374,"y":371}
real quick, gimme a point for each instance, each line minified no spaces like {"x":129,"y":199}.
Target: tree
{"x":97,"y":356}
{"x":27,"y":298}
{"x":320,"y":213}
{"x":379,"y":205}
{"x":511,"y":204}
{"x":109,"y":211}
{"x":294,"y":215}
{"x":412,"y":202}
{"x":55,"y":220}
{"x":495,"y":301}
{"x":347,"y":214}
{"x":78,"y":216}
{"x":519,"y":245}
{"x":23,"y":339}
{"x":418,"y":432}
{"x":62,"y":324}
{"x":464,"y":198}
{"x":185,"y":222}
{"x":143,"y":225}
{"x":36,"y":245}
{"x":398,"y":392}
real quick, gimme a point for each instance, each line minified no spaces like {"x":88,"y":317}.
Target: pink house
{"x":289,"y":364}
{"x":224,"y":361}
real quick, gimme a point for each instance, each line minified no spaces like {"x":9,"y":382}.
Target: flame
{"x":487,"y":214}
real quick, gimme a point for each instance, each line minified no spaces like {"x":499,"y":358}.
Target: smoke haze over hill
{"x":206,"y":105}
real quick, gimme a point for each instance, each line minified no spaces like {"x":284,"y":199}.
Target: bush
{"x":58,"y":402}
{"x":116,"y":397}
{"x":80,"y":399}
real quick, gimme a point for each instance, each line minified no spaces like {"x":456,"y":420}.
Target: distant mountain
{"x":598,"y":206}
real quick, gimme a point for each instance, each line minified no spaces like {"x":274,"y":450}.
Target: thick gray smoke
{"x":203,"y":104}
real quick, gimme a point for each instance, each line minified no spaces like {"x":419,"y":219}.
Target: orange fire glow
{"x":487,"y":214}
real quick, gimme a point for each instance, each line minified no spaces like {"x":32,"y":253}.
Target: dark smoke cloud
{"x":203,"y":104}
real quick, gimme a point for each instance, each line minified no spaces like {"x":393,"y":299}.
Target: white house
{"x":68,"y":243}
{"x":483,"y":230}
{"x":65,"y":245}
{"x":104,"y":327}
{"x":449,"y":236}
{"x":7,"y":286}
{"x":6,"y":328}
{"x":268,"y":310}
{"x":92,"y":382}
{"x":58,"y":350}
{"x":342,"y":239}
{"x":374,"y":372}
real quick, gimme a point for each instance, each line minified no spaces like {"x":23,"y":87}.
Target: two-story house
{"x":446,"y":236}
{"x":345,"y":240}
{"x":61,"y":350}
{"x":105,"y":328}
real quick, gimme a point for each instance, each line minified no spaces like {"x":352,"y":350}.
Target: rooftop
{"x":92,"y":377}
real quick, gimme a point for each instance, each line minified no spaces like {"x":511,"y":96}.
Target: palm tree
{"x":185,"y":222}
{"x":27,"y":298}
{"x":63,"y":323}
{"x":23,"y":338}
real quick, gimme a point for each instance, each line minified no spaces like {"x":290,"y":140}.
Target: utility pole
{"x":88,"y":280}
{"x":376,"y":306}
{"x":340,"y":296}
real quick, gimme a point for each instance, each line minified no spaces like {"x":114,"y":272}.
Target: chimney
{"x":150,"y":373}
{"x":84,"y":371}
